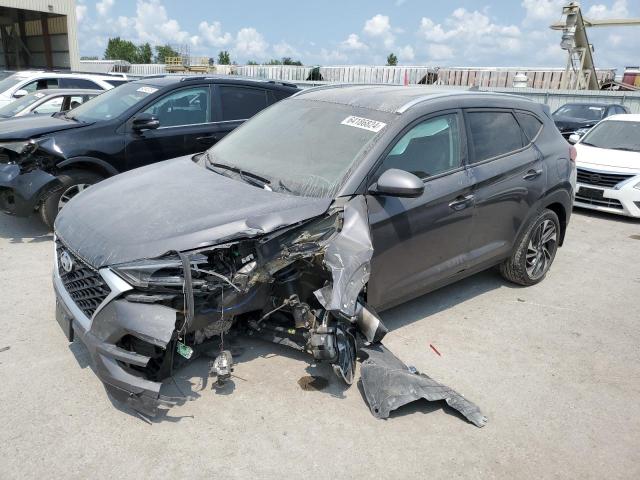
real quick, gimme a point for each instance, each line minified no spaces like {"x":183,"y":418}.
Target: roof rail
{"x":190,"y":78}
{"x":285,"y":84}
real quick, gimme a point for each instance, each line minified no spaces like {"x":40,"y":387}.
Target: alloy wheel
{"x":541,"y":250}
{"x":71,"y":192}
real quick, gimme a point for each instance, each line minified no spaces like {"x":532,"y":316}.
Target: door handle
{"x":460,"y":203}
{"x":207,"y":138}
{"x":531,"y":174}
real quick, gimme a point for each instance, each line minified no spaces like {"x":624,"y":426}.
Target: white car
{"x":609,"y":166}
{"x":22,"y":83}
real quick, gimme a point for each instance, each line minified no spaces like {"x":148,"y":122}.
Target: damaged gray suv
{"x":303,"y":224}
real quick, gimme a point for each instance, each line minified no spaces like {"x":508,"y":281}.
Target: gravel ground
{"x":555,"y":367}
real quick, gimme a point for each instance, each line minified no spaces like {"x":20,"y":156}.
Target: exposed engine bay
{"x":302,"y":286}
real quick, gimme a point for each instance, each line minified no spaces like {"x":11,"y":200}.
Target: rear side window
{"x":530,"y":124}
{"x":240,"y":103}
{"x":79,"y":83}
{"x":494,"y":134}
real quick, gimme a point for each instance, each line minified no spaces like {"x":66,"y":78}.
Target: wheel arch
{"x":91,"y":164}
{"x":560,"y":203}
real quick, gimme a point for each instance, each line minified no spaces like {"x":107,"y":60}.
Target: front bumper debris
{"x":389,"y":384}
{"x":21,"y":192}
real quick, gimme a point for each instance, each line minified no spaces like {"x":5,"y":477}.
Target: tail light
{"x":573,"y":153}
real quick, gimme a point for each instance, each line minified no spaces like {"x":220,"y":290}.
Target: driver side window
{"x":187,"y":106}
{"x":430,"y":148}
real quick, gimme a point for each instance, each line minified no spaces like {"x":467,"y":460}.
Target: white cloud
{"x":250,"y":43}
{"x":353,"y":43}
{"x":283,"y":49}
{"x":212,"y":35}
{"x":542,"y":10}
{"x":618,"y":10}
{"x":81,"y":12}
{"x":379,"y":26}
{"x":406,"y":54}
{"x":472,"y":35}
{"x":104,"y":6}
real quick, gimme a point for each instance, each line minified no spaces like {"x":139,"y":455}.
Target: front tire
{"x":73,"y":182}
{"x":535,"y":252}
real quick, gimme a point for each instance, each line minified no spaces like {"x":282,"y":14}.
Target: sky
{"x":329,"y":32}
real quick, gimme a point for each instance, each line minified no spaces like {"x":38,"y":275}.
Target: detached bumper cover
{"x":20,"y":192}
{"x":389,"y":384}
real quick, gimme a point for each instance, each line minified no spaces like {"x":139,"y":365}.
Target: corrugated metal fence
{"x":392,"y":75}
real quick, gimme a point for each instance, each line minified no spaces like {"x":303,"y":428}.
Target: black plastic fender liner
{"x":389,"y":384}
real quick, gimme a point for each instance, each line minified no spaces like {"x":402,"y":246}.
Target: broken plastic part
{"x":389,"y":384}
{"x":222,"y":367}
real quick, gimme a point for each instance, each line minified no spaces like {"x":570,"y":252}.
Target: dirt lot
{"x":555,"y":367}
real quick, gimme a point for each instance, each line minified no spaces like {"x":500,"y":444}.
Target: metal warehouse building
{"x":38,"y":34}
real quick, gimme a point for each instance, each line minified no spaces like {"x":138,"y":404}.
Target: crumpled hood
{"x":32,"y":126}
{"x":619,"y":161}
{"x":172,"y":205}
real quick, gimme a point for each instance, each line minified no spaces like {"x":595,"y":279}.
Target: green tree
{"x":392,"y":60}
{"x":84,"y":57}
{"x":144,"y":53}
{"x":224,"y":58}
{"x":118,"y":49}
{"x":252,"y":62}
{"x":289,"y":61}
{"x":164,"y":51}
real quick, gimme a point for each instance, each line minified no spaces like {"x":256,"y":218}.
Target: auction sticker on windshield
{"x":364,"y":123}
{"x":147,"y":89}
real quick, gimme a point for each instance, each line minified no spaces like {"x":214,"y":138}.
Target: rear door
{"x":186,"y":127}
{"x":508,"y":177}
{"x":420,"y":242}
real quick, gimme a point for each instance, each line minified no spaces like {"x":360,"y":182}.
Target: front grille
{"x":600,"y":202}
{"x":600,"y":179}
{"x":83,"y":284}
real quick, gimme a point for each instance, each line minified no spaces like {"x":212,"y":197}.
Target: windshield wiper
{"x":248,"y":177}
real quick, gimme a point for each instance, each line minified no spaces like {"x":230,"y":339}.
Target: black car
{"x":578,"y":118}
{"x":322,"y":210}
{"x":45,"y":161}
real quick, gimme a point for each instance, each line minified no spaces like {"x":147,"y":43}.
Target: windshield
{"x":300,"y":146}
{"x":112,"y":103}
{"x":585,"y":112}
{"x":17,"y":106}
{"x":9,"y":82}
{"x":614,"y":134}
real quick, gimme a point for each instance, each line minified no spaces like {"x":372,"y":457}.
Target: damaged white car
{"x":296,"y":228}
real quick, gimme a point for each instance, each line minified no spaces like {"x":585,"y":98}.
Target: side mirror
{"x":145,"y":121}
{"x":398,"y":183}
{"x":20,"y":93}
{"x":574,"y":138}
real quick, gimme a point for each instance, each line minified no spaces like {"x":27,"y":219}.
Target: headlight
{"x":165,"y":272}
{"x":20,"y":148}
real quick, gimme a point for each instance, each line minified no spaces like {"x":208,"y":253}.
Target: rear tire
{"x":535,"y":251}
{"x":73,"y":182}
